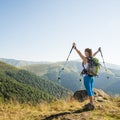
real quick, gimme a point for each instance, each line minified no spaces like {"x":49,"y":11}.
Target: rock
{"x":100,"y":95}
{"x":80,"y":95}
{"x":99,"y":99}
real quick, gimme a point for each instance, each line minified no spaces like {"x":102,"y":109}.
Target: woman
{"x":88,"y":80}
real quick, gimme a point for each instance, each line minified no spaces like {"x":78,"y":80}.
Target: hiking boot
{"x":89,"y":107}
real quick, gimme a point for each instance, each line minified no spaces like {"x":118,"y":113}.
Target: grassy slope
{"x":108,"y":110}
{"x":25,"y":86}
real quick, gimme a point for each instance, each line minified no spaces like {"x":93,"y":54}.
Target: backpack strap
{"x":83,"y":65}
{"x":84,"y":71}
{"x":89,"y":59}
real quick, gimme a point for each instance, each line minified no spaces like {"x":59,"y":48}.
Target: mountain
{"x":113,"y":66}
{"x":70,"y":77}
{"x":24,"y":86}
{"x":19,"y":63}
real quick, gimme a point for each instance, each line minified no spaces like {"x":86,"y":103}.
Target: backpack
{"x":93,"y":67}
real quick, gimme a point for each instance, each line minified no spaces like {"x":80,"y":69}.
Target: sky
{"x":44,"y":30}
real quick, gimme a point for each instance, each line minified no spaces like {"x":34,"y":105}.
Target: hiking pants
{"x":88,"y":83}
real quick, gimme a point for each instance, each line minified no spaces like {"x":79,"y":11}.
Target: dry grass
{"x":109,"y":110}
{"x":16,"y":111}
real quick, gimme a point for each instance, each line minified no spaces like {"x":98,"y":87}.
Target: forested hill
{"x":25,"y":86}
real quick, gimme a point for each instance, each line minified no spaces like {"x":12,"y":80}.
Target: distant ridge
{"x":113,"y":66}
{"x":19,"y":63}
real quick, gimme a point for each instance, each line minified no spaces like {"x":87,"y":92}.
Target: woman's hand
{"x":74,"y":45}
{"x":99,"y":49}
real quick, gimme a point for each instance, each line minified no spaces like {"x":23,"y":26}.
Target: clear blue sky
{"x":43,"y":30}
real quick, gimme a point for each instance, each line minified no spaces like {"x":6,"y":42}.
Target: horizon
{"x":45,"y":30}
{"x":79,"y":60}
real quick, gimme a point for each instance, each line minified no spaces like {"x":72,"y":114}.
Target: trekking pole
{"x":65,"y":64}
{"x":103,"y":60}
{"x":81,"y":80}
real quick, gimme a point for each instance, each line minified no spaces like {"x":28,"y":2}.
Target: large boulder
{"x":100,"y":95}
{"x":80,"y":95}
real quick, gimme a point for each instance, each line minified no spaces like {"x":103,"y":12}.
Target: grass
{"x":109,"y":110}
{"x":17,"y":111}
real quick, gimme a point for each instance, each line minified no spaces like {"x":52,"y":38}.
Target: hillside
{"x":68,"y":109}
{"x":10,"y":89}
{"x":70,"y":77}
{"x":21,"y":85}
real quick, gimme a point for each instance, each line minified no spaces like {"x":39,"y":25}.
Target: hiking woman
{"x":88,"y":80}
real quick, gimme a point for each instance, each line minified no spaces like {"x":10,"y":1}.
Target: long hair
{"x":89,"y":51}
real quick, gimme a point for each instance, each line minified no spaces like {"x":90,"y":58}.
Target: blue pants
{"x":88,"y":83}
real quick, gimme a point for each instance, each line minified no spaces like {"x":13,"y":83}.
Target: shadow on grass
{"x":51,"y":117}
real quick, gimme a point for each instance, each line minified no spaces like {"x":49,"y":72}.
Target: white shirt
{"x":86,"y":65}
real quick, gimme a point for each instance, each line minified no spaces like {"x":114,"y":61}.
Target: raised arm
{"x":79,"y":53}
{"x":97,"y":51}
